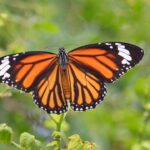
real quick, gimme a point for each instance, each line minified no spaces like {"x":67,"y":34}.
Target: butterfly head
{"x":62,"y":49}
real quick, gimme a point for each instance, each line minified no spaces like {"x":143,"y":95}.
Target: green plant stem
{"x":58,"y":129}
{"x":16,"y":145}
{"x":59,"y":123}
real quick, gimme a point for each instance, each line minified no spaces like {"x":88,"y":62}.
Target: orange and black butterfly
{"x":78,"y":76}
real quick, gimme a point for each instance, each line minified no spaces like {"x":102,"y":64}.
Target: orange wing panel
{"x":95,"y":65}
{"x":87,"y":51}
{"x":37,"y":57}
{"x":22,"y":72}
{"x":108,"y":62}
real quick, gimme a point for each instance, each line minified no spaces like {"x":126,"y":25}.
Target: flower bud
{"x":5,"y":134}
{"x":28,"y":141}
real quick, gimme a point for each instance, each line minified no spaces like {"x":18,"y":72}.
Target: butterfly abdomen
{"x":65,"y":83}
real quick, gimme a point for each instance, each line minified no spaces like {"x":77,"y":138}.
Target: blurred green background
{"x":122,"y":120}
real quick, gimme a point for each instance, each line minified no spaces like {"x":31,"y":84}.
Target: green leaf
{"x":52,"y":144}
{"x":75,"y":137}
{"x":28,"y":142}
{"x":5,"y":134}
{"x":75,"y":142}
{"x":88,"y":145}
{"x":56,"y":135}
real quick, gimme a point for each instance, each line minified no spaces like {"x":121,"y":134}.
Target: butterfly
{"x":78,"y":76}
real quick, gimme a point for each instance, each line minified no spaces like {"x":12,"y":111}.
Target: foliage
{"x":122,"y":121}
{"x":29,"y":142}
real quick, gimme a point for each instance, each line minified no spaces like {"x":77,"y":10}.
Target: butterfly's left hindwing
{"x":48,"y":93}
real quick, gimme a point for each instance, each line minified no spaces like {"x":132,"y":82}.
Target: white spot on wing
{"x":118,"y":44}
{"x":6,"y":75}
{"x":86,"y":107}
{"x":122,"y":49}
{"x":3,"y":71}
{"x":124,"y":55}
{"x":107,"y":43}
{"x":4,"y":64}
{"x":16,"y":55}
{"x":6,"y":57}
{"x":124,"y":61}
{"x":4,"y":60}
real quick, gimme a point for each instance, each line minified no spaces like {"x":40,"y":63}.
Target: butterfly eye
{"x":62,"y":49}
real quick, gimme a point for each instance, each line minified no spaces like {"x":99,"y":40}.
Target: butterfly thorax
{"x":63,"y":59}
